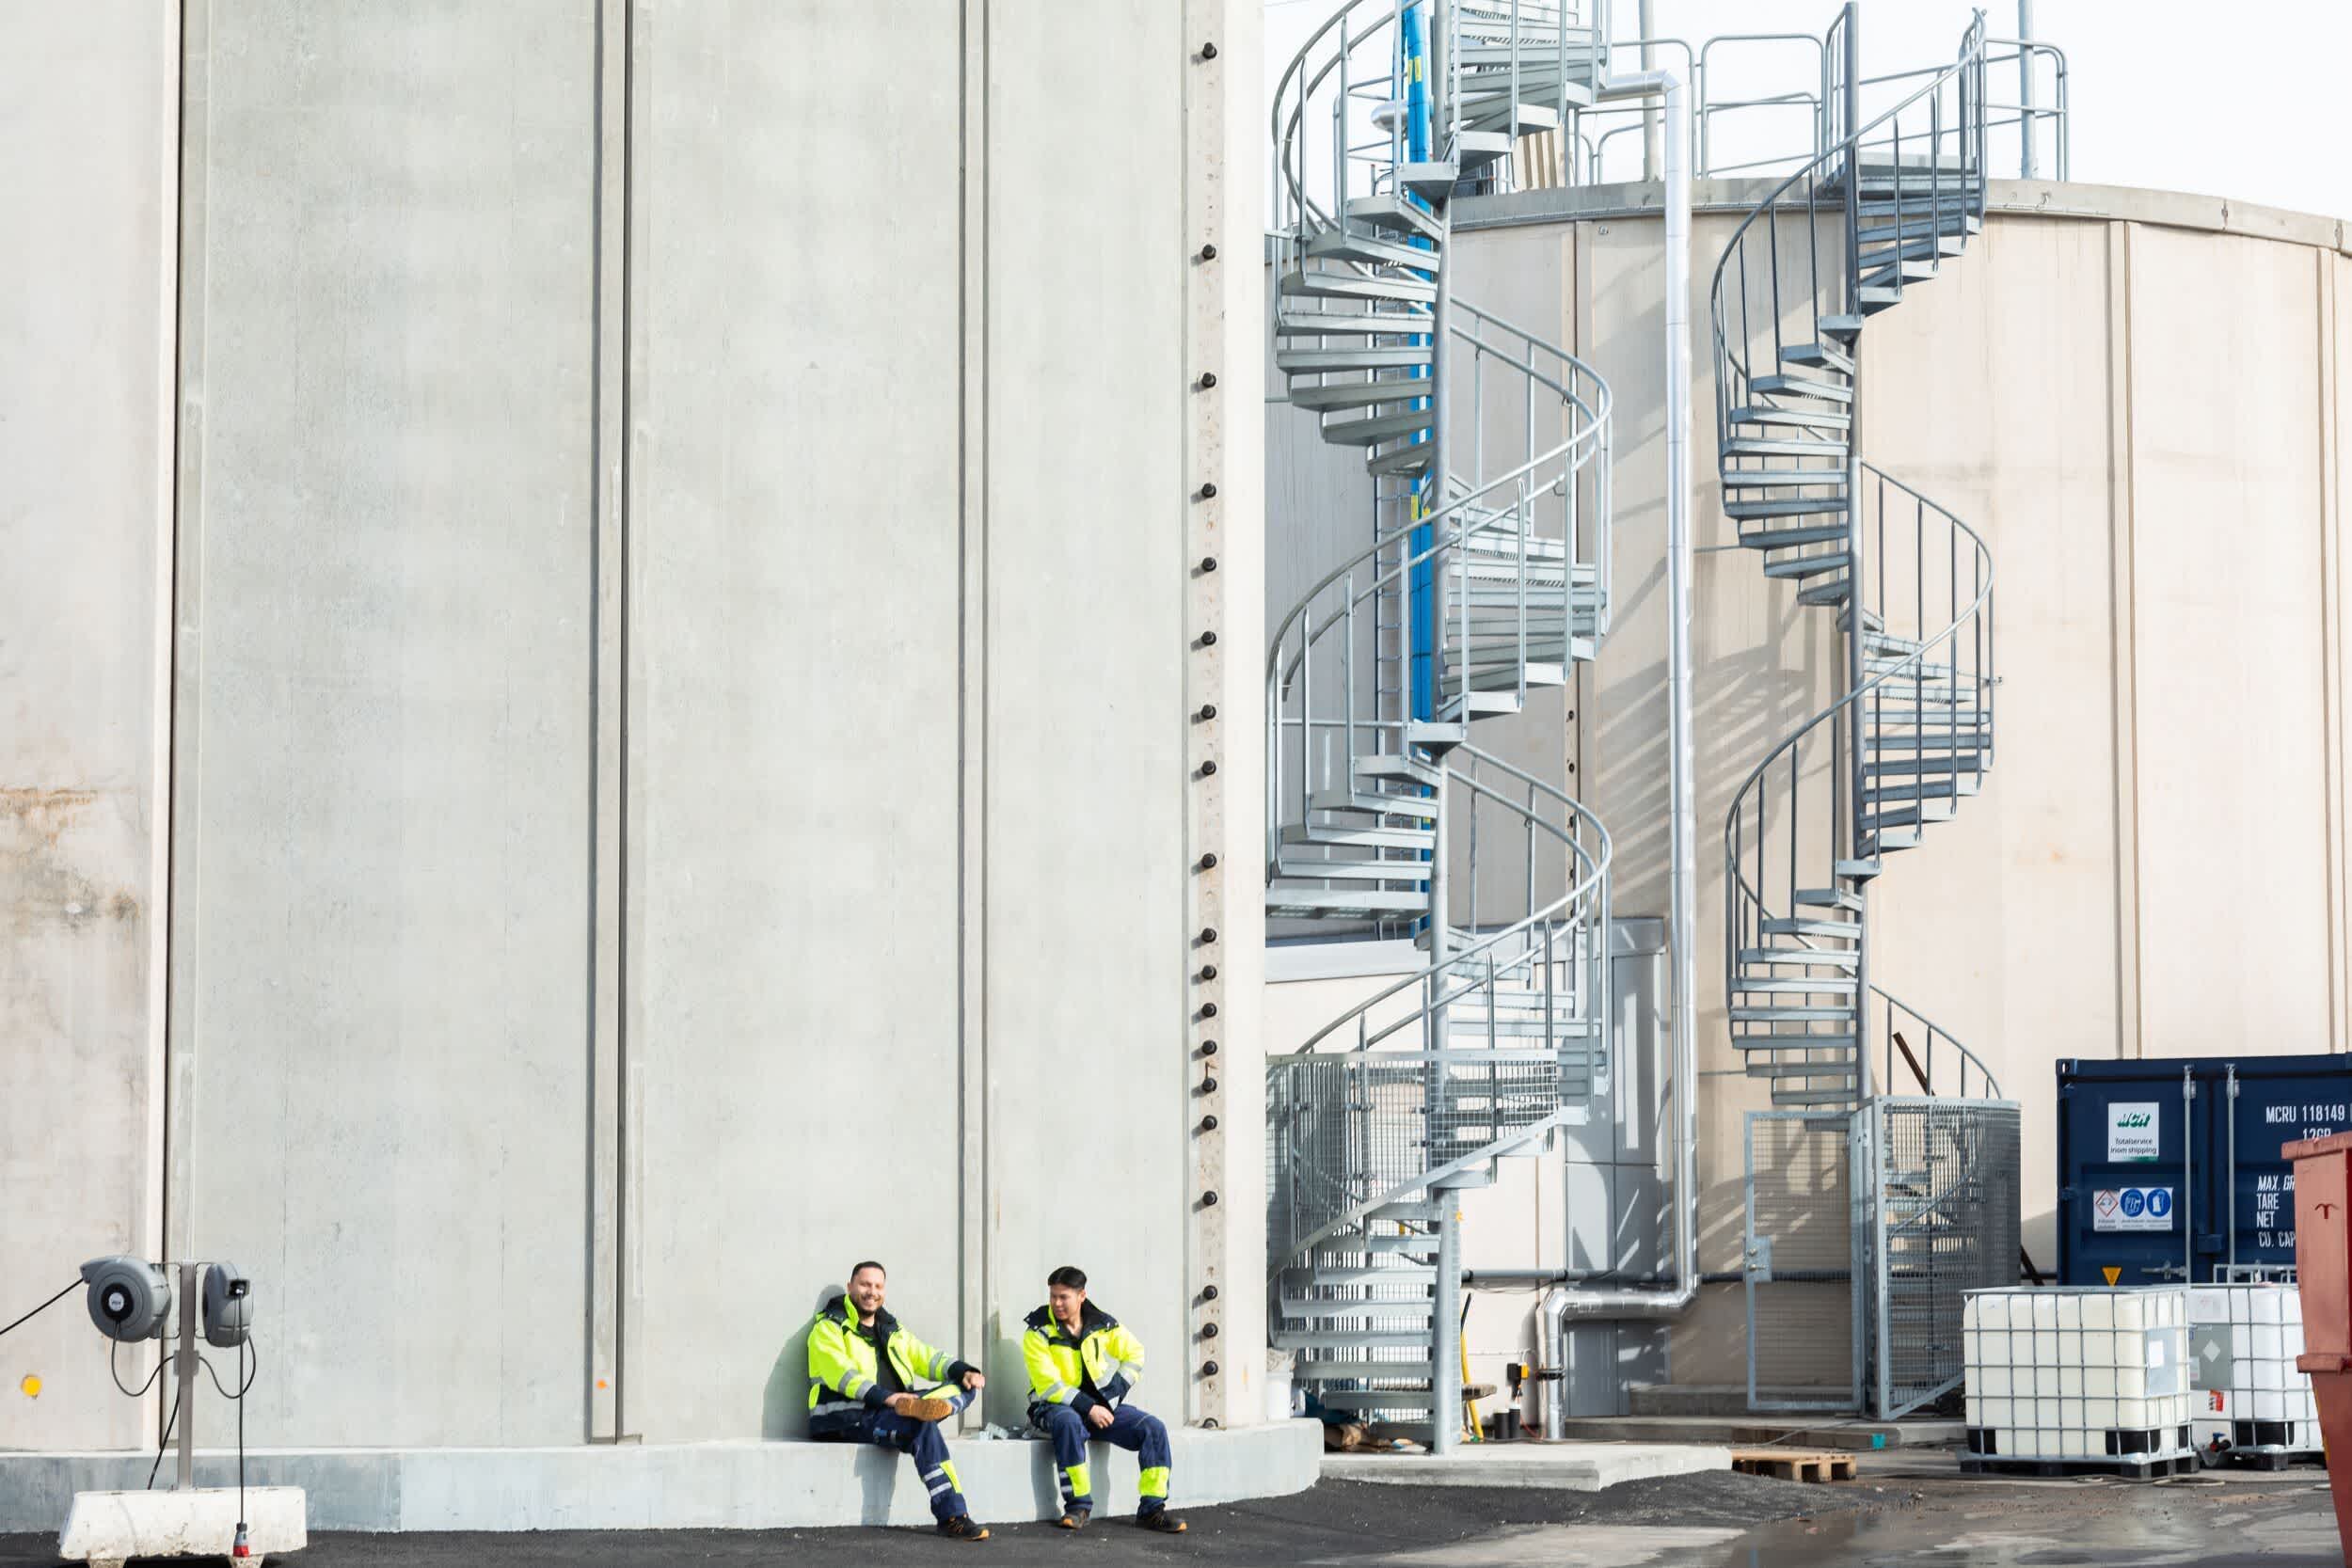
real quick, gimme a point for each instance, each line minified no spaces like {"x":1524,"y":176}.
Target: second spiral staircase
{"x":1907,"y":740}
{"x":1908,"y":584}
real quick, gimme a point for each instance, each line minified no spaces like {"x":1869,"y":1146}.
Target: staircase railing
{"x":1773,"y":845}
{"x":1911,"y":581}
{"x":1773,"y":281}
{"x":1353,"y":1121}
{"x":1485,"y":576}
{"x":1343,"y":47}
{"x":1326,"y":666}
{"x":1954,"y":1071}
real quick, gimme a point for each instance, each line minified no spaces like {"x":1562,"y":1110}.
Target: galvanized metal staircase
{"x":1877,"y":214}
{"x":1486,"y":579}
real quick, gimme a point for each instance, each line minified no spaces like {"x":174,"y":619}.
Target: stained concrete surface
{"x":1718,"y":1520}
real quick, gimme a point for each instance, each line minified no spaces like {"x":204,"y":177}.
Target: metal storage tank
{"x":2171,"y":1165}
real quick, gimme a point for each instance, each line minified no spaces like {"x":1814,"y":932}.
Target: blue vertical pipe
{"x":1422,"y":582}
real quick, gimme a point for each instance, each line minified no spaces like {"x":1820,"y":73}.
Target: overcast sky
{"x":2163,"y":93}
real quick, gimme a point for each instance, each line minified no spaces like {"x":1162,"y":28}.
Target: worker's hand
{"x":1101,"y":1416}
{"x":903,"y":1404}
{"x":975,"y":1381}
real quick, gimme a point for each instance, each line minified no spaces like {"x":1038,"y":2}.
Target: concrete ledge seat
{"x":731,"y":1485}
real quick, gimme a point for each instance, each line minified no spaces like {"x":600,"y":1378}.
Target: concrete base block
{"x":1750,"y":1431}
{"x":736,"y":1485}
{"x":111,"y":1527}
{"x":1567,"y":1466}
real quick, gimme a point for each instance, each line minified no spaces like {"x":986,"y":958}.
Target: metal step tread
{"x":1819,"y":418}
{"x":1327,"y":362}
{"x":1374,"y":429}
{"x":1397,"y":214}
{"x":1375,"y":252}
{"x":1423,"y":806}
{"x":1310,"y":901}
{"x":1332,"y":283}
{"x":1345,"y":833}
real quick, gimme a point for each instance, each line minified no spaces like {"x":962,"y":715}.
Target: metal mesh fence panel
{"x":1800,"y":1274}
{"x":1947,"y":1215}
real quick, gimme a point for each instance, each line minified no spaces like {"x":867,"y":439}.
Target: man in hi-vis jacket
{"x":1081,"y":1366}
{"x":863,"y":1370}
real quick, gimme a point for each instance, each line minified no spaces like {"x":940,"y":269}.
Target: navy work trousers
{"x":1138,"y":1432}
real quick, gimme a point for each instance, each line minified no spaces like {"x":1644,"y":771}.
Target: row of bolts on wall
{"x":1208,"y":859}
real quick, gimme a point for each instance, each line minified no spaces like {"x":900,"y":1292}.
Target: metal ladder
{"x":1487,"y":579}
{"x":1879,"y":212}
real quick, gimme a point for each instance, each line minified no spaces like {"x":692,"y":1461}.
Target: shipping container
{"x":2168,"y":1169}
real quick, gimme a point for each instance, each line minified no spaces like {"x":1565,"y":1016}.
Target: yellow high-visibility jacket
{"x":842,"y":1366}
{"x":1098,"y":1365}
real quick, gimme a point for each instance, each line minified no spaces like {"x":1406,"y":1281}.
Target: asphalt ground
{"x":1720,"y":1520}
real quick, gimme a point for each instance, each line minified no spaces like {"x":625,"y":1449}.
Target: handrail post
{"x":2024,"y":88}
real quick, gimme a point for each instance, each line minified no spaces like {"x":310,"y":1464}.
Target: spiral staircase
{"x":1817,"y":820}
{"x":1814,"y":825}
{"x":1485,"y":581}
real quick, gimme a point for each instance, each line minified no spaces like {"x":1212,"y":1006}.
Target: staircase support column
{"x":1445,"y":1317}
{"x":1857,"y":773}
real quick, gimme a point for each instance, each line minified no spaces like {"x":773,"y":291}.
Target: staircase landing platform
{"x":1562,"y":1466}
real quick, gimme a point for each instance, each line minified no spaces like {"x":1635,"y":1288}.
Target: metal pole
{"x":2189,"y":1186}
{"x":1651,"y":151}
{"x":1445,"y":1385}
{"x":1682,"y":838}
{"x":1857,"y":785}
{"x":2025,"y":87}
{"x":1440,"y":60}
{"x":2229,"y":1183}
{"x":190,"y":1277}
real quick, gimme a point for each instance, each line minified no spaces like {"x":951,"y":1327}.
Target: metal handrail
{"x":1587,"y":891}
{"x":1708,"y":102}
{"x":1733,"y":841}
{"x":1505,"y":567}
{"x":1935,"y":1031}
{"x":1587,"y":402}
{"x":1861,"y":799}
{"x":1357,"y":1213}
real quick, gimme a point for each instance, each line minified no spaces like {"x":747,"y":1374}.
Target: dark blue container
{"x":2170,"y":1168}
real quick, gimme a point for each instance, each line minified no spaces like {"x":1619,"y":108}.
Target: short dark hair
{"x":1070,"y":1276}
{"x":857,"y":1269}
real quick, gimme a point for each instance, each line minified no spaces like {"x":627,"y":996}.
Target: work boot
{"x":1162,"y":1520}
{"x":964,"y":1528}
{"x":1074,"y":1518}
{"x":925,"y":1409}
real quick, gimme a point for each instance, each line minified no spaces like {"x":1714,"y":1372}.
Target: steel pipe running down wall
{"x":1585,"y":1304}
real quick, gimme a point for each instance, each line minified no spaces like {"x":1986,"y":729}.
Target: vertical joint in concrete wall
{"x":1203,"y":75}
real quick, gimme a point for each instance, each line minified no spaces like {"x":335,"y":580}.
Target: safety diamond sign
{"x":2131,"y":1208}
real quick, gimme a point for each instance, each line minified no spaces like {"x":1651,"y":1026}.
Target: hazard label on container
{"x":2131,"y":1208}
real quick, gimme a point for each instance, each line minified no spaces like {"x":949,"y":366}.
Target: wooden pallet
{"x":1793,"y":1467}
{"x":2269,"y":1458}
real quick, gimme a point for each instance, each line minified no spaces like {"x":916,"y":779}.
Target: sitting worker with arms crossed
{"x":1081,"y":1365}
{"x":862,"y":1369}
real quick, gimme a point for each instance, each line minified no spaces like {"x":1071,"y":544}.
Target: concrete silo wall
{"x":680,"y":525}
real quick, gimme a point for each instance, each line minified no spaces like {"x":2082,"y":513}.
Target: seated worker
{"x":1081,"y":1365}
{"x":862,"y":1374}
